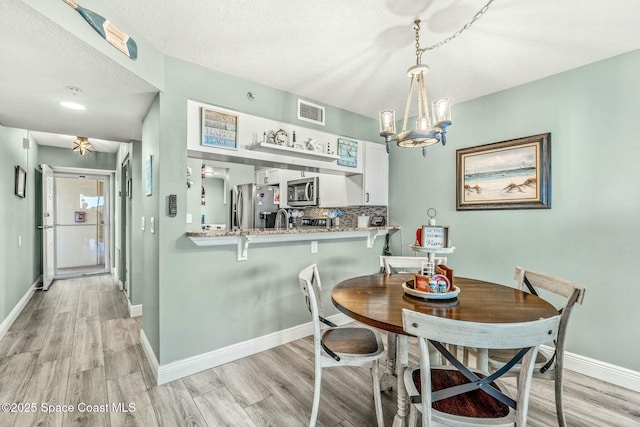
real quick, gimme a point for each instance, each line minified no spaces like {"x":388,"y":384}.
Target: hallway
{"x":75,"y":345}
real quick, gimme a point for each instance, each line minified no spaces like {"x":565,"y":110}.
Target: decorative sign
{"x":219,"y":129}
{"x":348,"y":153}
{"x":434,"y":237}
{"x":148,"y":174}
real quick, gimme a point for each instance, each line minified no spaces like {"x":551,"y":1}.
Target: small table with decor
{"x":377,"y":300}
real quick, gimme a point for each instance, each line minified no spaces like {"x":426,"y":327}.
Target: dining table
{"x":377,"y":300}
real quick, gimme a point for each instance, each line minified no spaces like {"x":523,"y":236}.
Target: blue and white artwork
{"x":508,"y":174}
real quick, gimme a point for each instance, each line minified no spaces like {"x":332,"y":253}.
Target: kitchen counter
{"x":242,"y":238}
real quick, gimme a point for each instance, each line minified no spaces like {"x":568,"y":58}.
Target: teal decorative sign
{"x":348,"y":153}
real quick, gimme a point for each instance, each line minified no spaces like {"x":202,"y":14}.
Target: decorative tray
{"x":409,"y":290}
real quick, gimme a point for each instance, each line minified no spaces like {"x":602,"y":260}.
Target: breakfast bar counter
{"x":242,"y":238}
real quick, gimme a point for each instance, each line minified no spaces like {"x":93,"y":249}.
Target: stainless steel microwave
{"x":302,"y":192}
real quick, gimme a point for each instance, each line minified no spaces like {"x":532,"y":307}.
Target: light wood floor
{"x":75,"y":345}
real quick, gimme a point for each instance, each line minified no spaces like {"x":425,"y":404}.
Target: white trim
{"x":602,"y":371}
{"x":13,"y":315}
{"x":135,"y":310}
{"x":191,"y":365}
{"x":150,"y":355}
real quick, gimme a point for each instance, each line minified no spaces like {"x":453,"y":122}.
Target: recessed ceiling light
{"x":73,"y":105}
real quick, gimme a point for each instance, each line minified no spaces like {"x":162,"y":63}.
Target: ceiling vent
{"x":310,"y":112}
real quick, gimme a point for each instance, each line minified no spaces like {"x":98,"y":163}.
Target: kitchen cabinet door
{"x":376,"y":175}
{"x":268,"y":177}
{"x":333,"y":191}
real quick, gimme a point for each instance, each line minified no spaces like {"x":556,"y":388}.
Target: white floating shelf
{"x":265,"y":146}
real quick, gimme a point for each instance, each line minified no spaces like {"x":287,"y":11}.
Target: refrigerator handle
{"x":239,"y":209}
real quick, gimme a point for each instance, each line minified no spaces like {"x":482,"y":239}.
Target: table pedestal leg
{"x":402,"y":360}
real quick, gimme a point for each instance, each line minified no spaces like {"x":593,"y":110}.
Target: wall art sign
{"x":347,"y":153}
{"x":513,"y":174}
{"x":148,"y":175}
{"x":219,"y":129}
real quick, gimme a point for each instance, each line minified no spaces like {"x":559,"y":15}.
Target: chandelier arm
{"x":422,"y":96}
{"x":408,"y":106}
{"x":466,"y":26}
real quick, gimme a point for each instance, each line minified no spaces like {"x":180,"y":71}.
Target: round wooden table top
{"x":377,"y":300}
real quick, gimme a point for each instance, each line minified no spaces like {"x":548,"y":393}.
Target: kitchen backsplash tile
{"x":349,"y":214}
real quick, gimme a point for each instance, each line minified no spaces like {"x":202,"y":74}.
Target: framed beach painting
{"x":514,"y":174}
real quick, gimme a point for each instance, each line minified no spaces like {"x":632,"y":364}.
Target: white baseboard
{"x":182,"y":368}
{"x":13,"y":315}
{"x":134,"y":310}
{"x":150,"y":355}
{"x":603,"y":371}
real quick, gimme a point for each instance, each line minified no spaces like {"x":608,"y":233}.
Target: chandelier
{"x":82,"y":145}
{"x":430,"y":126}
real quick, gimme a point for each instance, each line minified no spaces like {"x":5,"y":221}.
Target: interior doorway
{"x":81,"y":212}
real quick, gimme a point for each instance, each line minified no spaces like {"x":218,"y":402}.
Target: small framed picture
{"x":21,"y":182}
{"x":219,"y":129}
{"x":79,"y":216}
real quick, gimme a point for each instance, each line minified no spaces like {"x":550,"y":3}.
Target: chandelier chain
{"x":466,"y":26}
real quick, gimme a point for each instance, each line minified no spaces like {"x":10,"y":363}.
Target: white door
{"x":48,"y":243}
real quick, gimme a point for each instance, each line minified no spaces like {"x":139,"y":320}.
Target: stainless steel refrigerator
{"x":254,"y":206}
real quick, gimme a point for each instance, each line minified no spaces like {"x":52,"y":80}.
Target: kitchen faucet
{"x":286,"y":218}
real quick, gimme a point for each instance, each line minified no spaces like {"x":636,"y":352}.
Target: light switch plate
{"x":189,"y":218}
{"x":314,"y":246}
{"x":142,"y":224}
{"x":152,"y":224}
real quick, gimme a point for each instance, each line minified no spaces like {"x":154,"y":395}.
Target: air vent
{"x":310,"y":112}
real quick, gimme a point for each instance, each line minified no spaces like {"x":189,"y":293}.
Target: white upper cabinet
{"x":376,"y":175}
{"x":268,"y":176}
{"x":333,"y":191}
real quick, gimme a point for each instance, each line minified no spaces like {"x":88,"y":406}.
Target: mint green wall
{"x":144,"y":244}
{"x":591,"y":233}
{"x":207,"y":299}
{"x":19,"y":264}
{"x":64,"y":157}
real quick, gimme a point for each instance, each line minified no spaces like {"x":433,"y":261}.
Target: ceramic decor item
{"x":107,"y":30}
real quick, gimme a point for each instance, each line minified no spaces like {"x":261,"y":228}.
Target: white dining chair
{"x":549,"y":365}
{"x":339,"y":345}
{"x":458,"y":395}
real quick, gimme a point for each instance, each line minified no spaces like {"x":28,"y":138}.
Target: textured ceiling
{"x":352,"y":54}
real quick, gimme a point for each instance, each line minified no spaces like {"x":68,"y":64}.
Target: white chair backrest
{"x":310,"y":285}
{"x":408,"y":264}
{"x":480,"y":335}
{"x":550,"y":283}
